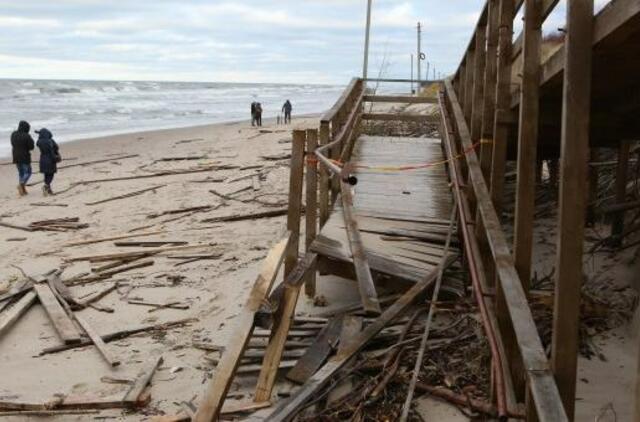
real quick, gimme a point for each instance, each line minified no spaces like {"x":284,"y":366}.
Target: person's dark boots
{"x":21,"y":190}
{"x":49,"y":191}
{"x":45,"y":190}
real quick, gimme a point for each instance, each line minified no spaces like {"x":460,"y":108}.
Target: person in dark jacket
{"x":49,"y":158}
{"x":21,"y":147}
{"x":259,"y":114}
{"x":286,"y":109}
{"x":253,"y":113}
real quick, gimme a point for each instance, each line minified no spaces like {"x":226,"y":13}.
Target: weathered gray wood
{"x":296,"y":178}
{"x":60,"y":320}
{"x":489,"y":98}
{"x":420,"y":118}
{"x":478,"y":84}
{"x":209,"y":408}
{"x":317,"y":353}
{"x":280,"y":331}
{"x":399,"y":99}
{"x":311,"y":206}
{"x":104,"y":350}
{"x":143,"y":380}
{"x":574,"y":156}
{"x":546,"y":397}
{"x":366,"y":287}
{"x":10,"y":317}
{"x":323,"y":198}
{"x":288,"y":408}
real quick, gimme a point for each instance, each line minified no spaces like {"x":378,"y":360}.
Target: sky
{"x":285,"y":41}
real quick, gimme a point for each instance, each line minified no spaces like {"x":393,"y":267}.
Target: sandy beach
{"x":247,"y":163}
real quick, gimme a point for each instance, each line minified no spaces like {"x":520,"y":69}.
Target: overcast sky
{"x":297,"y":41}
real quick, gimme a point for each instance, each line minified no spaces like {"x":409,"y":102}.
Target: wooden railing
{"x":482,"y":110}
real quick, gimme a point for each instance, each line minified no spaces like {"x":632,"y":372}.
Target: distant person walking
{"x":49,"y":158}
{"x":286,"y":109}
{"x":253,"y":113}
{"x":21,"y":147}
{"x":259,"y":114}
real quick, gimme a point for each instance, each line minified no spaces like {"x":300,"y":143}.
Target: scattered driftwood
{"x":121,"y":334}
{"x":57,"y":225}
{"x":153,"y":175}
{"x":108,"y":239}
{"x":48,"y":204}
{"x":126,"y":195}
{"x":276,"y":157}
{"x":133,"y":254}
{"x":189,"y":158}
{"x":158,"y":306}
{"x":181,"y":211}
{"x":248,"y":216}
{"x":150,"y":244}
{"x":103,"y":275}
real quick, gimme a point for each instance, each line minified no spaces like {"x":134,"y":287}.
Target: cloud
{"x":26,"y":22}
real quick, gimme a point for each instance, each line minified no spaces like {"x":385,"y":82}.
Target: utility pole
{"x":419,"y":55}
{"x":366,"y":41}
{"x":427,"y":74}
{"x":412,"y":74}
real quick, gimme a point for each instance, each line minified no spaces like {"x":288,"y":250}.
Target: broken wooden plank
{"x":247,"y":216}
{"x":108,"y":239}
{"x":288,"y":408}
{"x":10,"y":317}
{"x":290,"y":292}
{"x":132,"y":254}
{"x":97,"y":340}
{"x":126,"y":195}
{"x":143,"y":380}
{"x":211,"y":404}
{"x":120,"y":334}
{"x":351,"y":327}
{"x":61,"y":322}
{"x":367,"y":289}
{"x":317,"y":353}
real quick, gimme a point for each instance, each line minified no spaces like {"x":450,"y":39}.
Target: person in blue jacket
{"x":49,"y":158}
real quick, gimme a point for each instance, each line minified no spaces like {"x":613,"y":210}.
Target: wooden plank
{"x":366,"y":287}
{"x":296,"y":178}
{"x":351,"y":327}
{"x":545,"y":393}
{"x":209,"y":409}
{"x":317,"y":353}
{"x":97,"y":340}
{"x":288,"y":408}
{"x":61,"y":321}
{"x":10,"y":317}
{"x":574,"y":156}
{"x":323,"y":208}
{"x":143,"y":379}
{"x":279,"y":332}
{"x":126,"y":195}
{"x":503,"y":93}
{"x":311,"y":206}
{"x":468,"y":99}
{"x":399,"y":99}
{"x":420,"y":118}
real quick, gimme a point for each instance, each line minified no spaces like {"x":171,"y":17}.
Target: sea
{"x":83,"y":109}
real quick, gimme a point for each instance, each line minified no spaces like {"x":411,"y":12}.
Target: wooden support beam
{"x":209,"y":408}
{"x":462,"y":71}
{"x":366,"y":287}
{"x":478,"y":83}
{"x":60,"y":320}
{"x":288,"y":408}
{"x":622,"y":170}
{"x":470,"y":78}
{"x":311,"y":209}
{"x":399,"y":99}
{"x":323,"y":208}
{"x":527,"y":163}
{"x":296,"y":178}
{"x":541,"y":382}
{"x":280,"y":330}
{"x":574,"y":156}
{"x":489,"y":98}
{"x":503,"y":92}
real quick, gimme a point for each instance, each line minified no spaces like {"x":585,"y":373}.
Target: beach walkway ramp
{"x":402,"y":203}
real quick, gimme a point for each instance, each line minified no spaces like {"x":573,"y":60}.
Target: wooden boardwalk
{"x":403,"y":215}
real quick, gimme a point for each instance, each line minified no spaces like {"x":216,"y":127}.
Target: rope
{"x":418,"y":166}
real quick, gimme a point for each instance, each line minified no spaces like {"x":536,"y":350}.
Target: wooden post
{"x":489,"y":98}
{"x":528,"y":140}
{"x":468,"y":99}
{"x":295,"y":199}
{"x":637,"y":399}
{"x":463,"y":81}
{"x":324,"y":178}
{"x":503,"y":97}
{"x":527,"y":162}
{"x":311,"y":210}
{"x":478,"y":84}
{"x":617,"y":223}
{"x":574,"y":155}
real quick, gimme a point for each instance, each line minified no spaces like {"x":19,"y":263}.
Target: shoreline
{"x":5,"y":159}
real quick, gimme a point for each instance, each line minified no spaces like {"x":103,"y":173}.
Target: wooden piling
{"x":468,"y":98}
{"x":311,"y":210}
{"x":574,"y":155}
{"x":324,"y":178}
{"x":295,"y":198}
